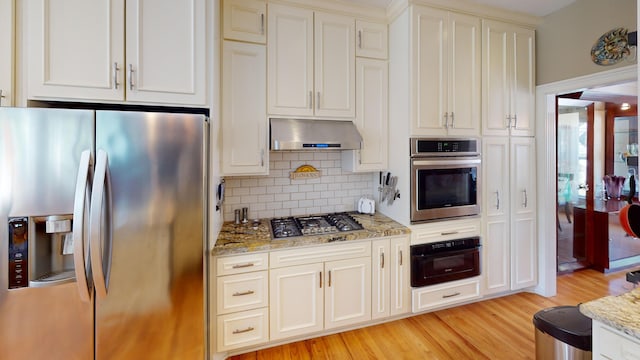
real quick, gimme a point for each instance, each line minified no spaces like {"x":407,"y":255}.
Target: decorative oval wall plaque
{"x":611,"y":47}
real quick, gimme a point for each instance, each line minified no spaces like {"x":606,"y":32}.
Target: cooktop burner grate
{"x":313,"y":225}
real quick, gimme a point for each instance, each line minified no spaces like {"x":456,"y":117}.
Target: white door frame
{"x":546,"y":163}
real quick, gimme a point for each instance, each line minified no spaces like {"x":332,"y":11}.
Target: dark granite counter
{"x":243,"y":238}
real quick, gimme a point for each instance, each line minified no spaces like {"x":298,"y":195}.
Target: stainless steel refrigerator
{"x":102,"y":234}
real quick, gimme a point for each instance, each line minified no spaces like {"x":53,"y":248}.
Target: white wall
{"x":564,"y":38}
{"x":276,"y":195}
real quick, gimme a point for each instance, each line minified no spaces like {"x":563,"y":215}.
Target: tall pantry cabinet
{"x":118,"y":50}
{"x":7,"y":41}
{"x":509,"y":242}
{"x":509,"y":158}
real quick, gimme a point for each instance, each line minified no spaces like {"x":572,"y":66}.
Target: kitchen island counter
{"x":621,"y":312}
{"x":244,"y":238}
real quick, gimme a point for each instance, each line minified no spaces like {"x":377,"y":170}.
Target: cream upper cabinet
{"x":117,"y":50}
{"x":446,"y":73}
{"x":311,"y":63}
{"x":244,"y":105}
{"x":509,"y":221}
{"x":245,"y":20}
{"x":372,"y":118}
{"x":371,"y":40}
{"x":7,"y":36}
{"x":508,"y":80}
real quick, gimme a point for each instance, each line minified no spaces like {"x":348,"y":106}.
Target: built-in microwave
{"x":445,"y":178}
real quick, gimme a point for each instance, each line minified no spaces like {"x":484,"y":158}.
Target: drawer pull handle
{"x":243,"y":330}
{"x":400,"y":257}
{"x":240,"y":266}
{"x":449,"y":233}
{"x":450,"y":295}
{"x":248,"y":292}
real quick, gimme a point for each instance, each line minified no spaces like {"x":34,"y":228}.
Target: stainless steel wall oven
{"x":445,"y":178}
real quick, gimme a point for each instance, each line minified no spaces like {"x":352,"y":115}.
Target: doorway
{"x":596,"y":155}
{"x":547,"y":164}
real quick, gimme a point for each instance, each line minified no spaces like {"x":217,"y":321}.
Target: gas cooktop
{"x":313,"y":225}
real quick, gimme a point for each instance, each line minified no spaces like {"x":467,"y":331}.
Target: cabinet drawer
{"x":320,"y":254}
{"x":238,"y":264}
{"x":242,"y":292}
{"x":444,"y":230}
{"x":242,"y":329}
{"x":431,"y":297}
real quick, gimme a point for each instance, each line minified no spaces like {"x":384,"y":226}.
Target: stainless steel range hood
{"x":307,"y":134}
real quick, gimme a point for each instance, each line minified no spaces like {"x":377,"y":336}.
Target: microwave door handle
{"x":101,"y":207}
{"x":80,"y":256}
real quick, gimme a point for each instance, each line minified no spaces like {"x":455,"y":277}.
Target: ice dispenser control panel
{"x":18,"y":252}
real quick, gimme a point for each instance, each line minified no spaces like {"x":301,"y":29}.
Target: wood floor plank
{"x":499,"y":328}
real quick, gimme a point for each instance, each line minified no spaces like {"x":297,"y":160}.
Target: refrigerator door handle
{"x":80,"y":256}
{"x":101,"y":231}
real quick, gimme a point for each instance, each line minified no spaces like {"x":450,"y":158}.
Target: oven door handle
{"x":447,"y":161}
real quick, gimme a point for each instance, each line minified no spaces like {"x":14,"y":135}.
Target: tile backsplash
{"x":276,"y":195}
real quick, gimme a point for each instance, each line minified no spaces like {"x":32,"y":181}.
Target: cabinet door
{"x":523,"y":83}
{"x":348,"y":292}
{"x":334,"y":53}
{"x":296,"y":300}
{"x":372,"y":78}
{"x":7,"y":33}
{"x":244,"y":20}
{"x":496,"y":78}
{"x":76,"y":49}
{"x":371,"y":40}
{"x":381,"y":265}
{"x":523,"y":213}
{"x":464,"y":36}
{"x":400,"y":281}
{"x":495,"y":246}
{"x":166,"y":52}
{"x":244,"y":120}
{"x":429,"y":73}
{"x":290,"y":63}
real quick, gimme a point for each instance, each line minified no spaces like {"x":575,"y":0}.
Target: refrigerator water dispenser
{"x":51,"y":250}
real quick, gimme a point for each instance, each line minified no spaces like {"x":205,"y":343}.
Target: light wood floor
{"x":500,"y":328}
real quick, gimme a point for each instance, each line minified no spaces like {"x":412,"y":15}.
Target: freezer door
{"x":40,"y":150}
{"x":153,"y":253}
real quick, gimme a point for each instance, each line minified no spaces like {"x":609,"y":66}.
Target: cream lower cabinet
{"x":390,"y":277}
{"x":610,"y":343}
{"x":118,"y":50}
{"x":7,"y":35}
{"x":509,"y":222}
{"x":242,"y":300}
{"x":311,"y":296}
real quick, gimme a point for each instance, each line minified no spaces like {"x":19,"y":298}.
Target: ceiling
{"x":531,"y":7}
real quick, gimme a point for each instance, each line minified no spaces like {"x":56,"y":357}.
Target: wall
{"x":564,"y":38}
{"x":276,"y":195}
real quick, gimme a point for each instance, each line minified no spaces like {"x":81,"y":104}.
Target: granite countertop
{"x":243,"y":238}
{"x":621,"y":312}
